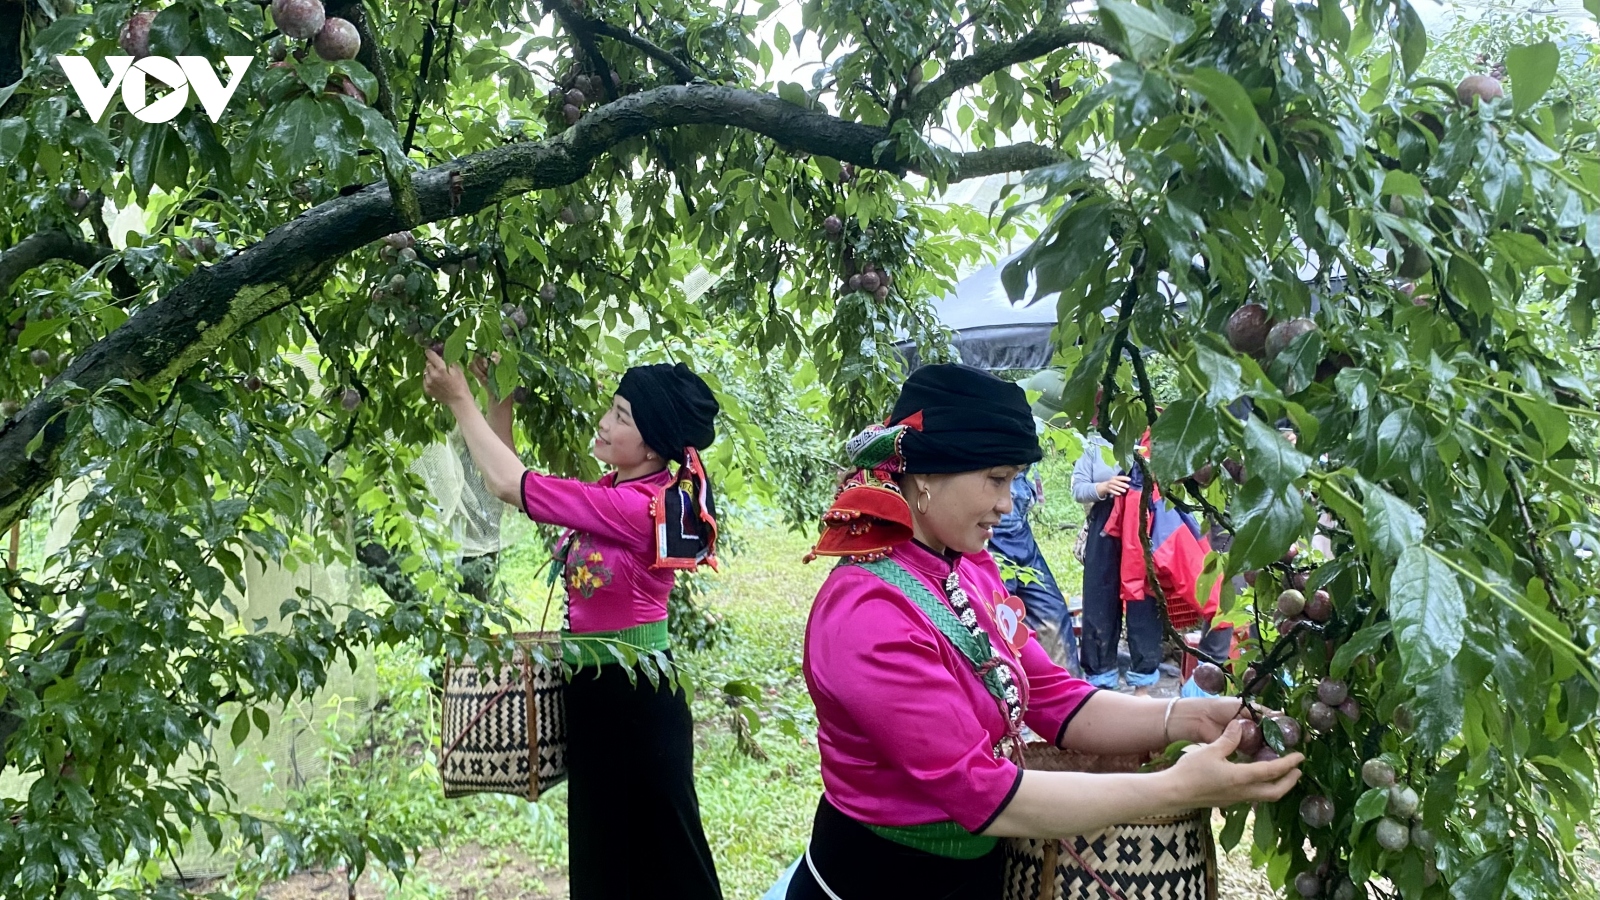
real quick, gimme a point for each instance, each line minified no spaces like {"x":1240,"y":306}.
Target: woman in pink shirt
{"x":633,"y":819}
{"x":924,"y":675}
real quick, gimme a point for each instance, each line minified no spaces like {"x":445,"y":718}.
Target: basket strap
{"x":1110,"y":891}
{"x":445,"y":757}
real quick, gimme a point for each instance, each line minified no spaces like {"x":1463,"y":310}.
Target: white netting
{"x":460,"y":498}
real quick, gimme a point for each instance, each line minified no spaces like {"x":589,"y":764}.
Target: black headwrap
{"x":949,"y":418}
{"x":675,"y":413}
{"x":960,"y":419}
{"x":672,"y":408}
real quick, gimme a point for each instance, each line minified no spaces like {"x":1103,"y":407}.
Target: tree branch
{"x":680,"y":69}
{"x":37,"y":249}
{"x":209,"y":308}
{"x":1014,"y":158}
{"x":972,"y":69}
{"x":582,"y":31}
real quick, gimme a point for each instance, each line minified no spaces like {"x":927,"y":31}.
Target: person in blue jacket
{"x":1013,"y":539}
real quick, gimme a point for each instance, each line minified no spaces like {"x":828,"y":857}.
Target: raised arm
{"x":500,"y":410}
{"x":502,"y":470}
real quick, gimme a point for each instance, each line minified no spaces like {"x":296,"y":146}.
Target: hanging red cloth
{"x":1178,"y":549}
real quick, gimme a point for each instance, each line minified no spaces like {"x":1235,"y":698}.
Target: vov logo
{"x":133,"y":76}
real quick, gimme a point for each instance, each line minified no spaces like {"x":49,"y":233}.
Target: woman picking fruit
{"x":630,"y":748}
{"x":924,"y":675}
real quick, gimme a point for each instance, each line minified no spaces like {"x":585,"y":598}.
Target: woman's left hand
{"x":1202,"y":719}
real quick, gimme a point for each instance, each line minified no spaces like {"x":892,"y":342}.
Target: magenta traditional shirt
{"x":610,"y":583}
{"x":906,"y":728}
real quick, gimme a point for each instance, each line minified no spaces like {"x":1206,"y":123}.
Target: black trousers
{"x":1103,"y":611}
{"x":859,"y":864}
{"x":633,"y":819}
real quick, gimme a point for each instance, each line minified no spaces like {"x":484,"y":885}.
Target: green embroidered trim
{"x":587,"y":651}
{"x":946,"y":839}
{"x":977,"y":650}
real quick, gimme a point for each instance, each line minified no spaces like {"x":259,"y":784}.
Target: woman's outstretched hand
{"x":1205,"y":775}
{"x":443,"y":382}
{"x":1202,"y":719}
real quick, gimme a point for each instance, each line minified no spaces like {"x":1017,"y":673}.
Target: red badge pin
{"x":1008,"y":616}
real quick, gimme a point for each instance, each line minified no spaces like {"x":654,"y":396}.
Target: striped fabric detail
{"x":947,"y":839}
{"x":650,"y":636}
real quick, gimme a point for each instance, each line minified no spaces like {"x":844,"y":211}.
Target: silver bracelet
{"x":1166,"y":723}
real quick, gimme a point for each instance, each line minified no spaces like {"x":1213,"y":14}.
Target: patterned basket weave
{"x":1168,"y":858}
{"x":505,"y":731}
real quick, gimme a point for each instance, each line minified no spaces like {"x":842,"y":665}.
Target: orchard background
{"x":217,"y":327}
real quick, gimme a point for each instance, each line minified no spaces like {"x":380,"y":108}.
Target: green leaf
{"x":169,"y":33}
{"x":110,"y":424}
{"x":1270,"y":457}
{"x":1271,"y":519}
{"x":1372,"y":805}
{"x":1401,"y":440}
{"x":455,"y":346}
{"x":59,"y":36}
{"x":1428,"y":610}
{"x":1469,"y":283}
{"x":296,"y":129}
{"x":1402,"y":184}
{"x":1362,"y":642}
{"x":13,"y":136}
{"x":781,"y":38}
{"x":1335,"y":26}
{"x":1185,"y":437}
{"x":1223,"y":375}
{"x":148,"y":142}
{"x":1440,"y":704}
{"x":241,"y":727}
{"x":1552,"y":425}
{"x":1484,"y":878}
{"x":1593,"y":6}
{"x":1240,"y":123}
{"x":1149,"y":33}
{"x":1069,"y":253}
{"x":1531,"y":69}
{"x":792,"y":92}
{"x":93,"y":144}
{"x":1413,"y":39}
{"x":1296,"y":366}
{"x":1523,"y":249}
{"x":211,"y":155}
{"x":1392,"y":523}
{"x":262,"y":720}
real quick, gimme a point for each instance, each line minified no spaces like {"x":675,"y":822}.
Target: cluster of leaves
{"x":1445,"y":442}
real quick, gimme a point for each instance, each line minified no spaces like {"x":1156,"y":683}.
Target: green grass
{"x":758,"y":812}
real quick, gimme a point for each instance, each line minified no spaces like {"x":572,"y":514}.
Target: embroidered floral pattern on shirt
{"x":586,"y":569}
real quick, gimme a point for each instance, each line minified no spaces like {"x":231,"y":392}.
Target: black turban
{"x":672,"y":408}
{"x":969,"y":419}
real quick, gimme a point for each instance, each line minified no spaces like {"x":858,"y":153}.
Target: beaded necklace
{"x":995,"y":670}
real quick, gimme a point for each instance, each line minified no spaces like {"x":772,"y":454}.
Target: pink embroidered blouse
{"x":906,"y":728}
{"x":610,"y":583}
